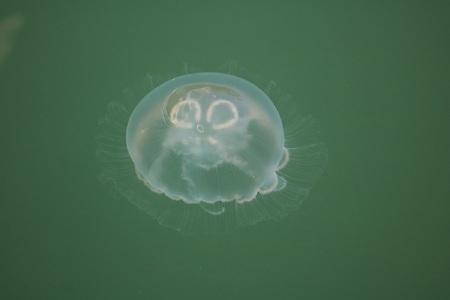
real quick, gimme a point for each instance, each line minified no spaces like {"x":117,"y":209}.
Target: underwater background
{"x":376,"y":76}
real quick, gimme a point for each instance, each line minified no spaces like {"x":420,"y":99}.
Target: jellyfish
{"x":210,"y":152}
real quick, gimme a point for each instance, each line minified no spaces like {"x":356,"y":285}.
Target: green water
{"x":375,"y":225}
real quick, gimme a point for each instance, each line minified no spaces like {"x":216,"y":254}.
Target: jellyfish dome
{"x":211,"y":154}
{"x":207,"y":137}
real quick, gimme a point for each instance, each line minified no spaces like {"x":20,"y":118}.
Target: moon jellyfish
{"x":210,"y":152}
